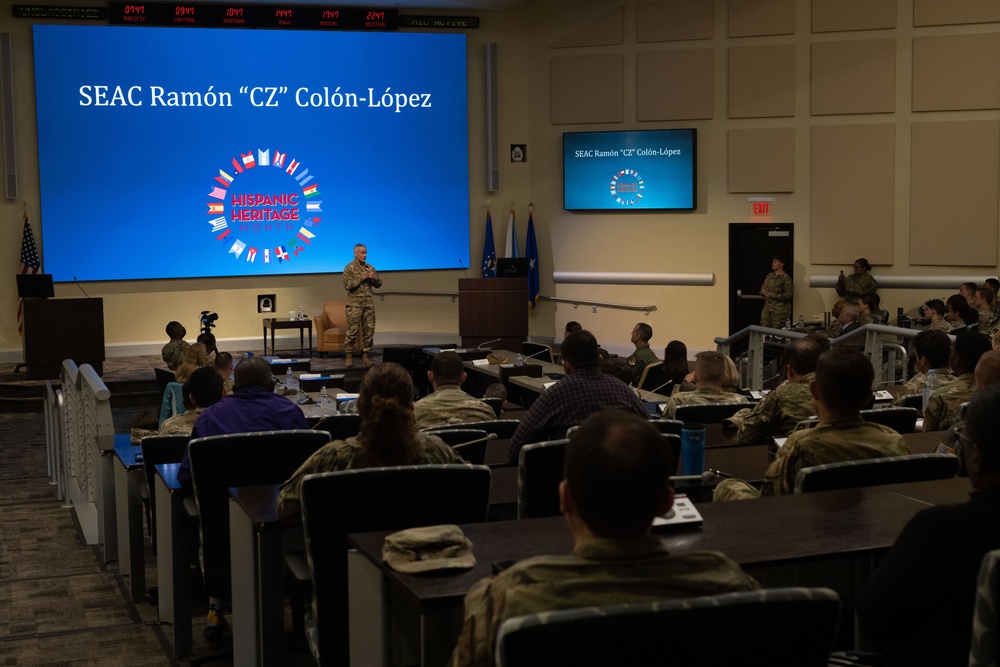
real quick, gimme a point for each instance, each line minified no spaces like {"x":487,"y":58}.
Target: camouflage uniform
{"x":173,"y":352}
{"x":942,"y":408}
{"x":940,"y":324}
{"x":865,"y":319}
{"x":448,"y":404}
{"x":826,"y":443}
{"x":833,"y":330}
{"x":856,"y":286}
{"x":181,"y":424}
{"x":777,"y":413}
{"x":360,"y":306}
{"x":639,"y":359}
{"x":985,"y":318}
{"x":599,"y":572}
{"x":340,"y":455}
{"x":701,"y":396}
{"x":916,"y":383}
{"x":777,"y":309}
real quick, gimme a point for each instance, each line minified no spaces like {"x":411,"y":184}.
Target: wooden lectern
{"x":491,"y":308}
{"x":58,"y":329}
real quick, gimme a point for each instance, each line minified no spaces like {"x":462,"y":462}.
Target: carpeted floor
{"x":58,"y":606}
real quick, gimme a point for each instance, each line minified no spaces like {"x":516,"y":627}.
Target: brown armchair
{"x":331,"y":327}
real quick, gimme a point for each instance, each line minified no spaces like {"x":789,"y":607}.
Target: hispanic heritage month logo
{"x":266,"y":211}
{"x":627,"y":187}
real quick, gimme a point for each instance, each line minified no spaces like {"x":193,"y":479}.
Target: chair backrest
{"x":496,"y":403}
{"x":656,"y":378}
{"x":724,"y":629}
{"x":983,"y":651}
{"x":538,"y":351}
{"x":469,"y":443}
{"x":503,"y":429}
{"x":335,"y":504}
{"x":539,"y":472}
{"x":668,"y":425}
{"x":163,"y":377}
{"x":340,"y":427}
{"x":875,"y":472}
{"x":708,"y":413}
{"x":915,"y":401}
{"x":240,"y":459}
{"x":900,"y":419}
{"x":157,"y":449}
{"x":336,"y":313}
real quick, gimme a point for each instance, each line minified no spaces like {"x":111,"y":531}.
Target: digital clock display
{"x":214,"y":15}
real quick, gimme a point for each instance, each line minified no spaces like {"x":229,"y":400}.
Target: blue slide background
{"x":668,"y":180}
{"x":125,"y":188}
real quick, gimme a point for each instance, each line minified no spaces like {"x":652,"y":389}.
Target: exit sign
{"x":761,"y":206}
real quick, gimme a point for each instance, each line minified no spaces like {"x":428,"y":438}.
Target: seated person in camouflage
{"x":942,"y":408}
{"x":987,"y":370}
{"x":616,"y":481}
{"x":448,"y":404}
{"x":833,"y":330}
{"x":711,"y":373}
{"x":643,"y":355}
{"x":388,"y":437}
{"x":224,"y":367}
{"x":842,"y":386}
{"x":202,"y":389}
{"x":994,"y":285}
{"x":780,"y":410}
{"x":983,"y":303}
{"x":173,"y":352}
{"x":934,"y":311}
{"x":933,"y":352}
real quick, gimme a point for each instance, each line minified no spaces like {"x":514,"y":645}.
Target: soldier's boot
{"x":348,"y":361}
{"x":365,"y":361}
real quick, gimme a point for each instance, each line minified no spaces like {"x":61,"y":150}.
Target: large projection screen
{"x":185,"y":152}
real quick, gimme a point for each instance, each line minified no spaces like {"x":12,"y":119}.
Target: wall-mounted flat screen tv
{"x":636,"y":169}
{"x":190,"y":152}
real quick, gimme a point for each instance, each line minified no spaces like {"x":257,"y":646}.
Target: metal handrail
{"x":382,"y":295}
{"x":597,"y":304}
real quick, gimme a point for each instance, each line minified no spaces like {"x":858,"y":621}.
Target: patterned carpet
{"x":58,"y":606}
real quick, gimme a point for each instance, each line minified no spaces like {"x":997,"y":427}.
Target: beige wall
{"x":793,"y":93}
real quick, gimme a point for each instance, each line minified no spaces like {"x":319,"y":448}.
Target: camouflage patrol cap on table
{"x":429,"y":548}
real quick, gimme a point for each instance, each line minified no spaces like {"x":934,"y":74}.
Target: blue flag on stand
{"x":531,"y":252}
{"x":489,"y":251}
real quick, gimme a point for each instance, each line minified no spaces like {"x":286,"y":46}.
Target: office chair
{"x":875,"y":472}
{"x":900,"y":419}
{"x":538,"y":351}
{"x":469,"y":443}
{"x":335,"y":504}
{"x":714,"y":630}
{"x":708,"y":413}
{"x":656,"y":378}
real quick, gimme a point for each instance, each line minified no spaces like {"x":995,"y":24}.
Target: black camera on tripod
{"x":208,"y":321}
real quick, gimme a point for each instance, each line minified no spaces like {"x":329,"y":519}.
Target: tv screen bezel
{"x":632,"y":209}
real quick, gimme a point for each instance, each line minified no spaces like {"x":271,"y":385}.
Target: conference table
{"x":835,"y":535}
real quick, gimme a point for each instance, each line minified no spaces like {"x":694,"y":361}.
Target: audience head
{"x":710,"y":366}
{"x":993,"y":284}
{"x":981,"y":448}
{"x":969,"y":347}
{"x":641,"y":333}
{"x":872,"y":301}
{"x":616,"y":475}
{"x":822,"y":341}
{"x":203,"y":388}
{"x":194,"y":357}
{"x":571,"y":327}
{"x":580,"y":350}
{"x":224,"y":364}
{"x":446,"y":369}
{"x":801,"y":355}
{"x":618,"y":367}
{"x":385,"y":403}
{"x":933,"y":349}
{"x":208,"y":340}
{"x":959,"y":310}
{"x":176,"y":330}
{"x":967,"y":291}
{"x":861,"y":265}
{"x":731,"y":380}
{"x":849,"y":315}
{"x":253,"y":372}
{"x":984,"y":297}
{"x":778,"y":262}
{"x":675,"y":358}
{"x":838,"y":307}
{"x":496,"y":390}
{"x":988,"y":370}
{"x":936,"y":306}
{"x":844,"y":379}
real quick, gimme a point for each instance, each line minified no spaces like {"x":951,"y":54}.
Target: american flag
{"x":29,"y":266}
